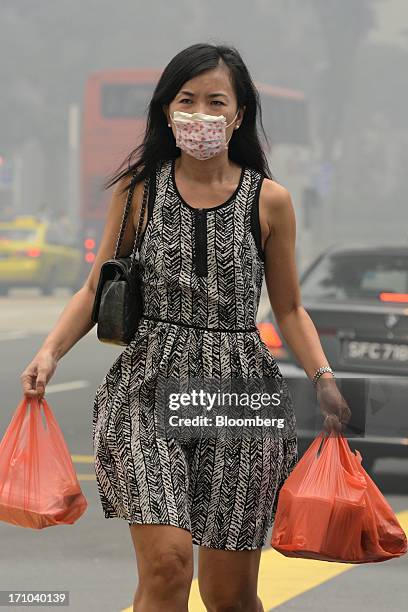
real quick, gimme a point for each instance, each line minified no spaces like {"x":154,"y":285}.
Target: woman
{"x":216,"y":220}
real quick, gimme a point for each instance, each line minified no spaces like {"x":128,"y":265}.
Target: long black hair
{"x":159,"y":143}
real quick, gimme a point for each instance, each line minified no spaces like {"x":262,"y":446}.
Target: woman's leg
{"x":164,"y":556}
{"x":228,"y":579}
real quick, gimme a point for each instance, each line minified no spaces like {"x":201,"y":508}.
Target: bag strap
{"x":324,"y":436}
{"x":125,"y":215}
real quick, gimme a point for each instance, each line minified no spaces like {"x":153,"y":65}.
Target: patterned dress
{"x":202,"y":272}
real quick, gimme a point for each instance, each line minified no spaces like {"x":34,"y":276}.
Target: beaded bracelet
{"x":321,"y":371}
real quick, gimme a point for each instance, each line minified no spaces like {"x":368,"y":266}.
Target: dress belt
{"x":218,"y":329}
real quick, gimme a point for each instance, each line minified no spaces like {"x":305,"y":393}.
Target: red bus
{"x":113,"y":122}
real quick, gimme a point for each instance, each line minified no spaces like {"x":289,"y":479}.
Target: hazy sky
{"x":392,"y":22}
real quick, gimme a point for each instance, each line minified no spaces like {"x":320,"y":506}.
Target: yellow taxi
{"x":38,"y":253}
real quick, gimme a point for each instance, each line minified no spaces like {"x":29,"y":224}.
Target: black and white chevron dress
{"x":202,"y":276}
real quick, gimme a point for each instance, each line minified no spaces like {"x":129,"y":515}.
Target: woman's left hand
{"x":332,"y":405}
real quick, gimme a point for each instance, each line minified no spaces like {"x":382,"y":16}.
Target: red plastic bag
{"x":38,"y":483}
{"x":329,"y":509}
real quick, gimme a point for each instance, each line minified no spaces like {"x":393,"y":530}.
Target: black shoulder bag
{"x":118,"y":304}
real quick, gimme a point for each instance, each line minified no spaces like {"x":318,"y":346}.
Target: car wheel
{"x":51,"y":282}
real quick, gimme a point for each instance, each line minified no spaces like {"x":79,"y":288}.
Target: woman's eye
{"x":188,"y":100}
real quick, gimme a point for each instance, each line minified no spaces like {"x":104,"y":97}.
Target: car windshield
{"x":356,"y":275}
{"x":19,"y":234}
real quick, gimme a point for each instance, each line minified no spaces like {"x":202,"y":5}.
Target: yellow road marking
{"x":283,"y":578}
{"x":82,"y":458}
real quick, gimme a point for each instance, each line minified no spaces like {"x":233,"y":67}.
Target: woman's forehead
{"x":211,"y":81}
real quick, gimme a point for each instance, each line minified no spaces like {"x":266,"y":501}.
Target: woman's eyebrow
{"x":211,"y":95}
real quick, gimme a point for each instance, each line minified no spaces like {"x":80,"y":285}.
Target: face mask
{"x":201,"y":135}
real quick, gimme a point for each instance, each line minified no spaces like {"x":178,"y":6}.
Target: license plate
{"x":362,"y":350}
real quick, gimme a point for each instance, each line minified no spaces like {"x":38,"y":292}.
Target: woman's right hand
{"x":37,"y":374}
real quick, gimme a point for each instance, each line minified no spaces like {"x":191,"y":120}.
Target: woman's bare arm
{"x":281,"y":279}
{"x":75,"y":320}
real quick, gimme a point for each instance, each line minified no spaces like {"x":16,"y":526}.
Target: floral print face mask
{"x":201,"y":135}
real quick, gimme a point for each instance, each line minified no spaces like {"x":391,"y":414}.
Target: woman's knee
{"x":171,"y":567}
{"x":165,"y":566}
{"x":228,"y":580}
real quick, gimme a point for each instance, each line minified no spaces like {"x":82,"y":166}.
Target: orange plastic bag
{"x":329,"y":509}
{"x":38,"y":483}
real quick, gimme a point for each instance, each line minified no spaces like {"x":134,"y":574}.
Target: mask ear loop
{"x":236,"y":114}
{"x":236,"y":127}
